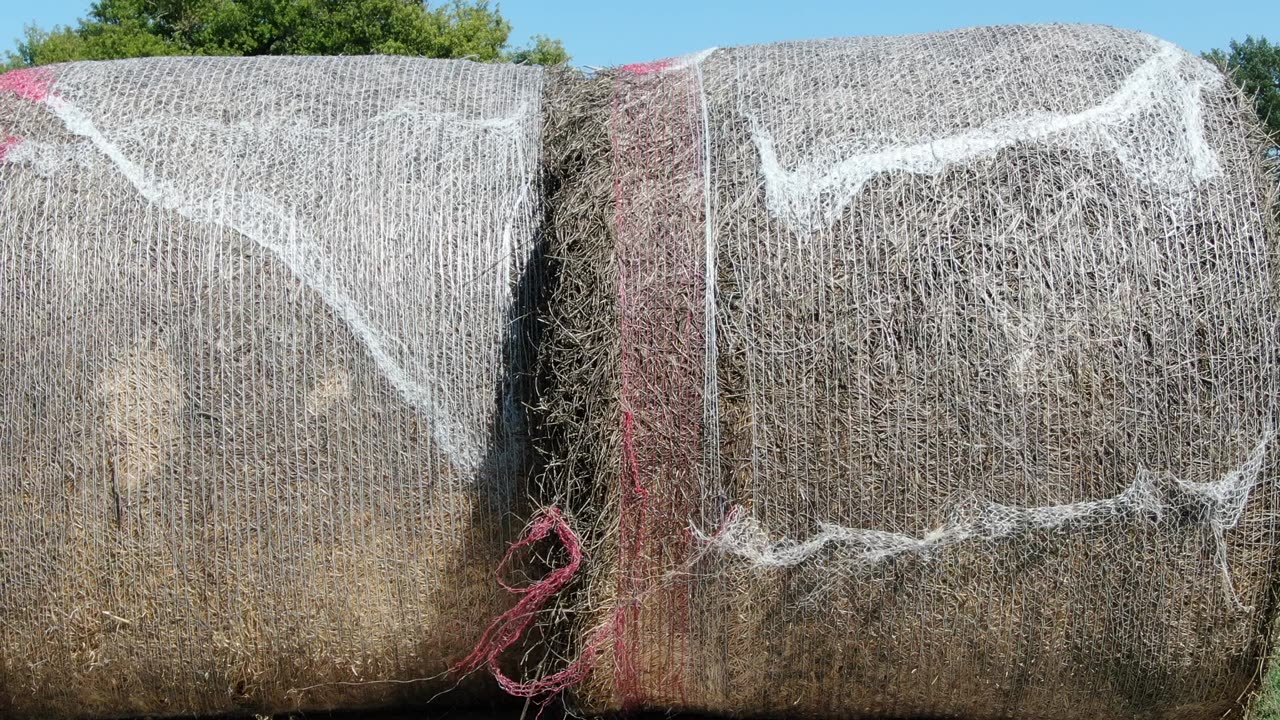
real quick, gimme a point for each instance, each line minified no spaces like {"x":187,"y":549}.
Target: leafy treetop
{"x":142,"y":28}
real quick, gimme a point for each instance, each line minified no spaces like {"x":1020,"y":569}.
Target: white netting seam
{"x":1215,"y":505}
{"x":276,"y":229}
{"x":814,"y":193}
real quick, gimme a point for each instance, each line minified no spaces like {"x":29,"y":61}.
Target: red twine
{"x":660,"y":452}
{"x":511,"y":625}
{"x":656,"y":135}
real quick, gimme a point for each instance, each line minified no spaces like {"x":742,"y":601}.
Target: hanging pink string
{"x":511,"y":625}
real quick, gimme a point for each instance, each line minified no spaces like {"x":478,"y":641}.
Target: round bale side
{"x":919,"y":376}
{"x":261,"y":383}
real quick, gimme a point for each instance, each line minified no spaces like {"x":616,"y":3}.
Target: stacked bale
{"x":262,"y":371}
{"x":920,"y":376}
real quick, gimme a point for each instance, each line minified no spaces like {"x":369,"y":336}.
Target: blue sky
{"x":607,"y":32}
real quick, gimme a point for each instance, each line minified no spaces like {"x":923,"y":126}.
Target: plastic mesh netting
{"x":262,"y":373}
{"x":918,"y":376}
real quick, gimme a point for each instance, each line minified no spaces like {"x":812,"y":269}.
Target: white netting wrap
{"x":920,"y":376}
{"x":923,"y":376}
{"x":1216,"y":505}
{"x":262,"y":361}
{"x":901,"y":122}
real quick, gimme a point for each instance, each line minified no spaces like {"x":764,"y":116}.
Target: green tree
{"x":543,"y":51}
{"x":1255,"y":66}
{"x":140,"y":28}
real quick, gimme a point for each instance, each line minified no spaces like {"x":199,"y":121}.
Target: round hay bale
{"x":920,"y":376}
{"x":261,"y":378}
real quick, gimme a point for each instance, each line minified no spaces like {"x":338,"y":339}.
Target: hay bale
{"x":261,"y":377}
{"x":919,"y":376}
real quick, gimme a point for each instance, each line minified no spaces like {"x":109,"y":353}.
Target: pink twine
{"x":511,"y":625}
{"x":8,"y":144}
{"x":32,"y":84}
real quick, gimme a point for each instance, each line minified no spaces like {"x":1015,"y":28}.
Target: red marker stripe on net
{"x":8,"y":144}
{"x":647,"y":68}
{"x":656,"y":140}
{"x":34,"y":84}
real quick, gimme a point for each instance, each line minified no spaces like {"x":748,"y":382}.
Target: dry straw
{"x":919,"y":376}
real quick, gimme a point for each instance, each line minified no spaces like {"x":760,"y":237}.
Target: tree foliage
{"x":1255,"y":66}
{"x":543,"y":51}
{"x":141,"y":28}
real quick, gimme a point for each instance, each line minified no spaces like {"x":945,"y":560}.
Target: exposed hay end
{"x":330,"y":389}
{"x":143,"y":406}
